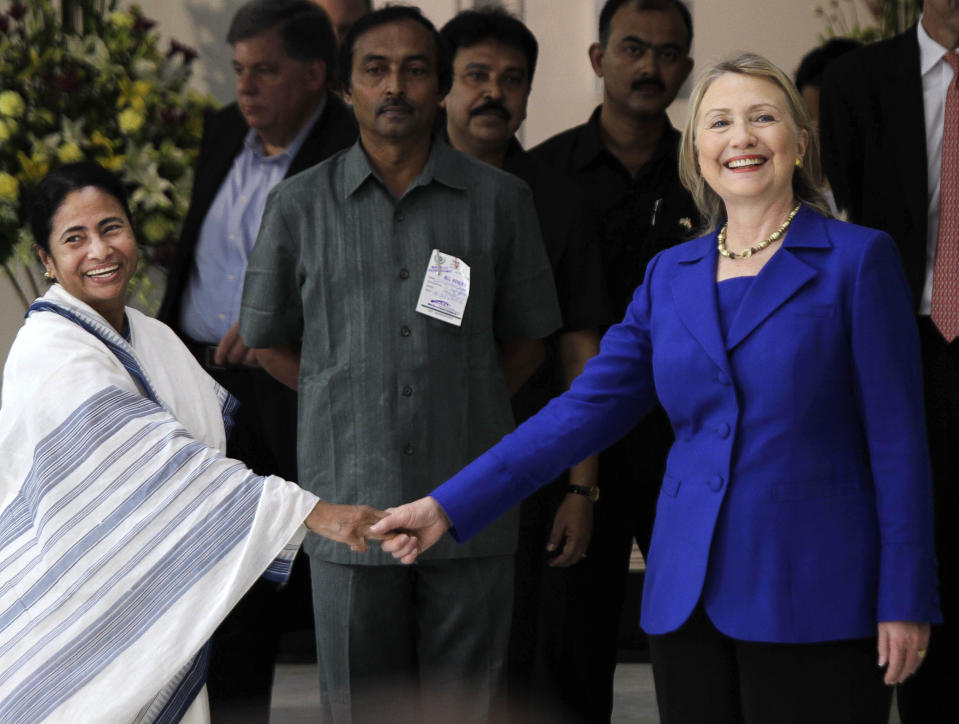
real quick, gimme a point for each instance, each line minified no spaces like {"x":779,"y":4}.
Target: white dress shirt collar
{"x":930,"y":51}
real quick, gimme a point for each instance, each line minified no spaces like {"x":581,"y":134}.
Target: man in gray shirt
{"x":401,"y":286}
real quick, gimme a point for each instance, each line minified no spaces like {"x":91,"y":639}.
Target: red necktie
{"x":945,"y":273}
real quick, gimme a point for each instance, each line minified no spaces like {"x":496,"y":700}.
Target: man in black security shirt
{"x":494,"y":58}
{"x":625,"y":160}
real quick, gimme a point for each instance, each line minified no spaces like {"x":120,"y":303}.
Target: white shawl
{"x":125,"y":534}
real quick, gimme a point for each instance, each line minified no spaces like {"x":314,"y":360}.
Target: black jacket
{"x":223,"y":134}
{"x":874,"y":144}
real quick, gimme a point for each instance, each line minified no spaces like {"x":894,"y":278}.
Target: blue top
{"x":797,"y":502}
{"x":729,"y":295}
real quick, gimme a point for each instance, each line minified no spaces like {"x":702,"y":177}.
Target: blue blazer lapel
{"x":694,"y":294}
{"x":782,"y":276}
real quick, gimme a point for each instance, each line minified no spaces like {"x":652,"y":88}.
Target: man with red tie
{"x":889,"y":119}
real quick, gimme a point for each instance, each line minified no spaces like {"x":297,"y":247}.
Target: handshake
{"x":405,"y":531}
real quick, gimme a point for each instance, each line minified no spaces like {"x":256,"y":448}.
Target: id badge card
{"x":446,"y":288}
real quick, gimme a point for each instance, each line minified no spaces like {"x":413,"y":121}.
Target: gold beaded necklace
{"x":775,"y":236}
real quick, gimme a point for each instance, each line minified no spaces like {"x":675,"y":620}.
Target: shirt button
{"x":722,"y":429}
{"x":399,"y":217}
{"x":408,"y":450}
{"x":722,"y":378}
{"x":715,"y":483}
{"x":407,"y":390}
{"x":221,"y":316}
{"x":230,"y":277}
{"x":405,"y":331}
{"x":404,"y":274}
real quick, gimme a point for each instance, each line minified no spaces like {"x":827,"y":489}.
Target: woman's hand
{"x":902,"y":644}
{"x":348,"y":524}
{"x":412,"y":528}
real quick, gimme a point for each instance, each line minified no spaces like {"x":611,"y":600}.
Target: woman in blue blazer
{"x":792,"y":553}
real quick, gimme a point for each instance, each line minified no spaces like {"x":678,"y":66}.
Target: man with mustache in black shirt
{"x":625,"y":161}
{"x":494,"y":58}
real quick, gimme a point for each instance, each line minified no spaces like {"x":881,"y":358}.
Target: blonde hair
{"x":807,"y":181}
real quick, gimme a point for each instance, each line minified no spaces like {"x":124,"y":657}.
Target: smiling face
{"x":644,"y":62}
{"x":487,"y":102}
{"x":394,"y":88}
{"x":275,"y":93}
{"x":747,"y":141}
{"x":93,"y":252}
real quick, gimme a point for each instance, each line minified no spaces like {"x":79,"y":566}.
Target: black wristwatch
{"x":589,"y":491}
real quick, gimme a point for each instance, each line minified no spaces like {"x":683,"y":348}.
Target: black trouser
{"x":705,"y":677}
{"x":630,"y":475}
{"x":244,"y":646}
{"x":930,"y":695}
{"x":544,"y":677}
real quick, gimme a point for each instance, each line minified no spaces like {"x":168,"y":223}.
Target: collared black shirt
{"x":577,"y":266}
{"x":635,"y":217}
{"x":569,"y":240}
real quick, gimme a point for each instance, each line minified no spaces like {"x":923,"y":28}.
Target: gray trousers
{"x":424,"y":643}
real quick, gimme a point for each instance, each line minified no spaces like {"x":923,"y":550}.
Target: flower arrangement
{"x":87,"y":80}
{"x":891,"y":18}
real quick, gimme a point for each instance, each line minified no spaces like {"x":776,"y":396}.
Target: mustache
{"x":390,"y":104}
{"x":652,"y":80}
{"x":492,"y":105}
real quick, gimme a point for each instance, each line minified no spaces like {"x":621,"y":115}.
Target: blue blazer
{"x":797,"y":497}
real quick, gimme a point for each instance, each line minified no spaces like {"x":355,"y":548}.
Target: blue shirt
{"x":211,"y":301}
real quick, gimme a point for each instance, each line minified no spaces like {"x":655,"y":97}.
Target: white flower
{"x":89,"y":49}
{"x":144,"y":69}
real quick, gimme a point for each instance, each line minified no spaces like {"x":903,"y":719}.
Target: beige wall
{"x":11,"y":315}
{"x":565,"y":89}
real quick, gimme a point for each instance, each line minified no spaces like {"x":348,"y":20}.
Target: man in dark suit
{"x":883,"y":114}
{"x":284,"y":121}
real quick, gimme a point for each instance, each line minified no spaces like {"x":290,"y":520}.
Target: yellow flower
{"x":11,"y":104}
{"x":42,"y":117}
{"x":69,"y":152}
{"x":133,"y":94}
{"x":9,"y":187}
{"x":36,"y":167}
{"x":7,"y":129}
{"x":130,"y":120}
{"x":156,"y":228}
{"x":100,"y":141}
{"x":120,"y":19}
{"x":112,"y":163}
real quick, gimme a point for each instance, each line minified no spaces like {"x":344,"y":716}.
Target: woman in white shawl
{"x":125,"y":534}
